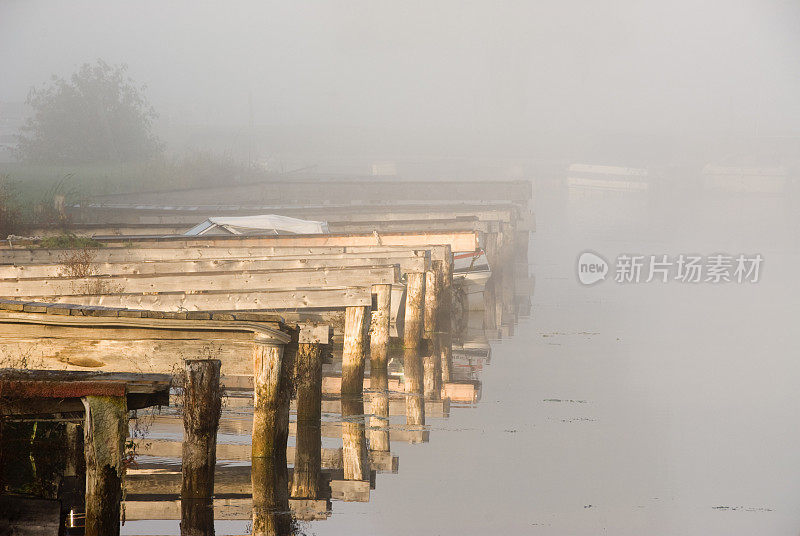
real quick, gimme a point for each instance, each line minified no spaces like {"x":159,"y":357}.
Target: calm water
{"x":615,"y":409}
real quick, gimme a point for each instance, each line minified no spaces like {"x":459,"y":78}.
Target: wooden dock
{"x":298,"y":329}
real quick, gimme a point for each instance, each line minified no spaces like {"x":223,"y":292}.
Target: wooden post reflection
{"x":379,"y":374}
{"x":413,"y":379}
{"x":355,"y":459}
{"x":308,"y":453}
{"x":271,"y":515}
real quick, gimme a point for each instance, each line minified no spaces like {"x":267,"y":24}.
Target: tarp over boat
{"x":266,"y":223}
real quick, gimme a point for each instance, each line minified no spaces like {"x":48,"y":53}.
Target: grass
{"x":69,"y":241}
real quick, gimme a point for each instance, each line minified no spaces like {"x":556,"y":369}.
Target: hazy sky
{"x":486,"y":68}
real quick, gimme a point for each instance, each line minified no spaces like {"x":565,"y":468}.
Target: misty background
{"x":293,"y":83}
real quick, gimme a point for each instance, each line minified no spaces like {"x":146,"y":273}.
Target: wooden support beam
{"x":353,"y":353}
{"x":306,"y":478}
{"x":105,"y":432}
{"x":408,"y":260}
{"x":133,"y":257}
{"x":202,"y":402}
{"x":414,"y":319}
{"x":379,"y":376}
{"x":270,"y":393}
{"x":244,"y":300}
{"x":432,"y":295}
{"x":457,"y":240}
{"x":336,"y":276}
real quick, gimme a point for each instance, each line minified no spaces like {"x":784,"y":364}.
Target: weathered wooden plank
{"x":143,"y":253}
{"x":457,"y":240}
{"x":340,"y":276}
{"x":408,"y":260}
{"x":270,"y":300}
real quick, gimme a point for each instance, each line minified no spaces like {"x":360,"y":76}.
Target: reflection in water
{"x":271,"y":515}
{"x":253,"y":437}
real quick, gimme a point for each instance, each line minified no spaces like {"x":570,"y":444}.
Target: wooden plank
{"x":408,"y":260}
{"x":143,"y":253}
{"x":264,"y":300}
{"x":340,"y":276}
{"x":457,"y":240}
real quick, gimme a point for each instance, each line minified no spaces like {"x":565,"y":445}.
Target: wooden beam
{"x":244,"y":300}
{"x":457,"y":240}
{"x":340,"y":276}
{"x":145,"y":253}
{"x":408,"y":261}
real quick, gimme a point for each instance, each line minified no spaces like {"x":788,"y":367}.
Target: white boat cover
{"x":271,"y":223}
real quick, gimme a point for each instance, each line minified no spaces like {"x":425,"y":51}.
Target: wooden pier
{"x":300,"y":331}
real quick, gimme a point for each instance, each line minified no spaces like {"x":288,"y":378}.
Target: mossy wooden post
{"x":353,"y":353}
{"x":272,"y":371}
{"x":412,"y":360}
{"x":378,"y":373}
{"x":268,"y":379}
{"x":202,"y":402}
{"x":432,"y":295}
{"x":105,"y":431}
{"x":308,"y":453}
{"x":414,"y":319}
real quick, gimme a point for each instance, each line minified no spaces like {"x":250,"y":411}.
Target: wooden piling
{"x":308,"y":453}
{"x":353,"y":354}
{"x":270,"y":395}
{"x":379,"y":376}
{"x":105,"y":431}
{"x":432,"y":295}
{"x":414,"y":319}
{"x":202,"y":402}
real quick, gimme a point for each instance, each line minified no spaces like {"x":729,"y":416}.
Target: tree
{"x":98,"y":115}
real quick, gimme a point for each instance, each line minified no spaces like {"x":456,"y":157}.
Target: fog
{"x":614,"y":81}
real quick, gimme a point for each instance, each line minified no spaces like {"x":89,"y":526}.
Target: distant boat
{"x":257,"y":225}
{"x":583,"y":178}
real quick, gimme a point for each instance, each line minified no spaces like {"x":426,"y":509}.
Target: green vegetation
{"x":69,"y":241}
{"x":97,"y":115}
